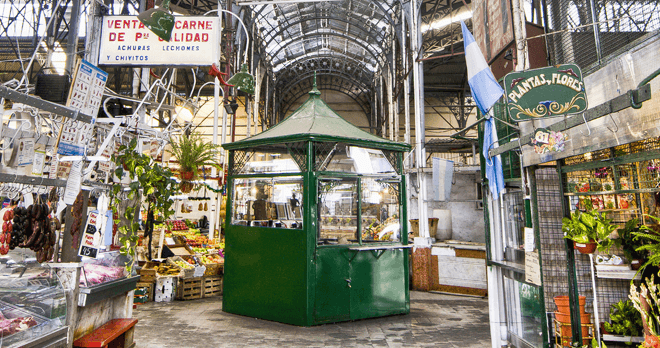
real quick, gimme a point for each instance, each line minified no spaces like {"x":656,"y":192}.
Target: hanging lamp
{"x":159,"y":20}
{"x":242,"y":80}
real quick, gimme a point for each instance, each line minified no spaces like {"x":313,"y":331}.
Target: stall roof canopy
{"x":315,"y":120}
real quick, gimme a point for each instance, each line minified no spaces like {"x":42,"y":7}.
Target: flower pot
{"x":563,"y":304}
{"x":566,"y":331}
{"x":635,"y":264}
{"x":586,"y":248}
{"x":187,"y":175}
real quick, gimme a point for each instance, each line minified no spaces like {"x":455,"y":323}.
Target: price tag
{"x":91,"y":236}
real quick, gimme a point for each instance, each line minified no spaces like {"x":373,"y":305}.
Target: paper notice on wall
{"x":73,"y":183}
{"x":109,"y":150}
{"x":85,"y":96}
{"x":39,"y":160}
{"x":63,"y":169}
{"x":25,"y":151}
{"x":532,"y":268}
{"x":529,"y":239}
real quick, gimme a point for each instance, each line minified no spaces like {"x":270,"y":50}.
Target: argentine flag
{"x":485,"y":90}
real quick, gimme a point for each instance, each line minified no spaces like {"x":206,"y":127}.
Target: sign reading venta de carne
{"x":126,"y":41}
{"x":545,"y":92}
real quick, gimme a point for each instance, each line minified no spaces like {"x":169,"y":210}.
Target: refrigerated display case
{"x":33,"y":306}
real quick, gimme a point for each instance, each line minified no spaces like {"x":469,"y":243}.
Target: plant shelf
{"x":616,"y":272}
{"x":616,"y":338}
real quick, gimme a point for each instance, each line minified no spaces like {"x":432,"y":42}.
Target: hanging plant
{"x":193,"y":153}
{"x":156,"y":185}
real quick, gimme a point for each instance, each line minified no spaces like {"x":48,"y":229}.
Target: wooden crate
{"x":212,"y":286}
{"x":148,"y":272}
{"x":144,"y":290}
{"x":213,"y":269}
{"x":190,"y":289}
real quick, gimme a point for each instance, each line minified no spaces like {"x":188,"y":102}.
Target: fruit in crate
{"x":183,"y":264}
{"x":167,"y":270}
{"x":212,"y":258}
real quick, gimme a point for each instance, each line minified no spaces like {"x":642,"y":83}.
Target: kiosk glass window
{"x":254,"y":162}
{"x":268,"y":202}
{"x":380,"y":211}
{"x":337,"y":211}
{"x":351,"y":159}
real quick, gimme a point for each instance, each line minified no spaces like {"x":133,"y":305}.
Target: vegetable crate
{"x":148,"y":272}
{"x":213,"y":269}
{"x":212,"y":286}
{"x":190,"y":289}
{"x":144,"y":292}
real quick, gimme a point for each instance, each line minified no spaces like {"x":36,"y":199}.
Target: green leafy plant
{"x":193,"y":152}
{"x":630,"y":243}
{"x":156,"y":185}
{"x":588,"y":227}
{"x":651,"y":246}
{"x":625,"y":319}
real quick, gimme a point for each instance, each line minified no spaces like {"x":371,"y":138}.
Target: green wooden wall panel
{"x":266,"y":274}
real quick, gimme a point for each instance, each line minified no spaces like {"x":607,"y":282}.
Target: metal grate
{"x":299,"y":153}
{"x":321,"y":153}
{"x":240,"y":159}
{"x":553,"y":253}
{"x":576,"y":39}
{"x":393,"y":159}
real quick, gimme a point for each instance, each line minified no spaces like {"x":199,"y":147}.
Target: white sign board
{"x":126,"y":41}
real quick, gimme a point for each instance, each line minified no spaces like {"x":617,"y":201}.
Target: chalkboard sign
{"x":88,"y":251}
{"x":91,"y":237}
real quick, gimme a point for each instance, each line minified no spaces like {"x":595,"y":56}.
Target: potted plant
{"x":625,"y":320}
{"x":646,"y":301}
{"x":631,"y":242}
{"x":651,"y":244}
{"x":193,"y":152}
{"x":588,"y":230}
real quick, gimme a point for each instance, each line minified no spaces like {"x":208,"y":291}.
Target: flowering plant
{"x":650,"y":310}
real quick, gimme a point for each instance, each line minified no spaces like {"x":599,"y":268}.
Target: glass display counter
{"x":105,"y":277}
{"x":32,"y":304}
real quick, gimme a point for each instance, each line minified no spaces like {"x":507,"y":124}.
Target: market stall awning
{"x":315,"y":120}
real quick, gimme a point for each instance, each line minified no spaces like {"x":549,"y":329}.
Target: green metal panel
{"x":265,"y":273}
{"x":378,"y":285}
{"x":333,"y":296}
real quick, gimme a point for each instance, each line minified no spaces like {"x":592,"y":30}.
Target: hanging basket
{"x":586,"y":248}
{"x":186,"y":186}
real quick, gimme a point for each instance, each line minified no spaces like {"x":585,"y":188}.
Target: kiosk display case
{"x":314,"y":234}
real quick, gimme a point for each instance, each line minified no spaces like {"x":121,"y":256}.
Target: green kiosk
{"x":314,"y":230}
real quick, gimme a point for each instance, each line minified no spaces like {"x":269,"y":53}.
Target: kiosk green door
{"x":333,"y":285}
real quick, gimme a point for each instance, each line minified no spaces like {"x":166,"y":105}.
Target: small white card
{"x":529,"y":239}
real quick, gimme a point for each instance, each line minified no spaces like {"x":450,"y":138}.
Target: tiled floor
{"x":435,"y":320}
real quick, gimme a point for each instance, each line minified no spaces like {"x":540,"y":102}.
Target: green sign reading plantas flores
{"x":545,"y":92}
